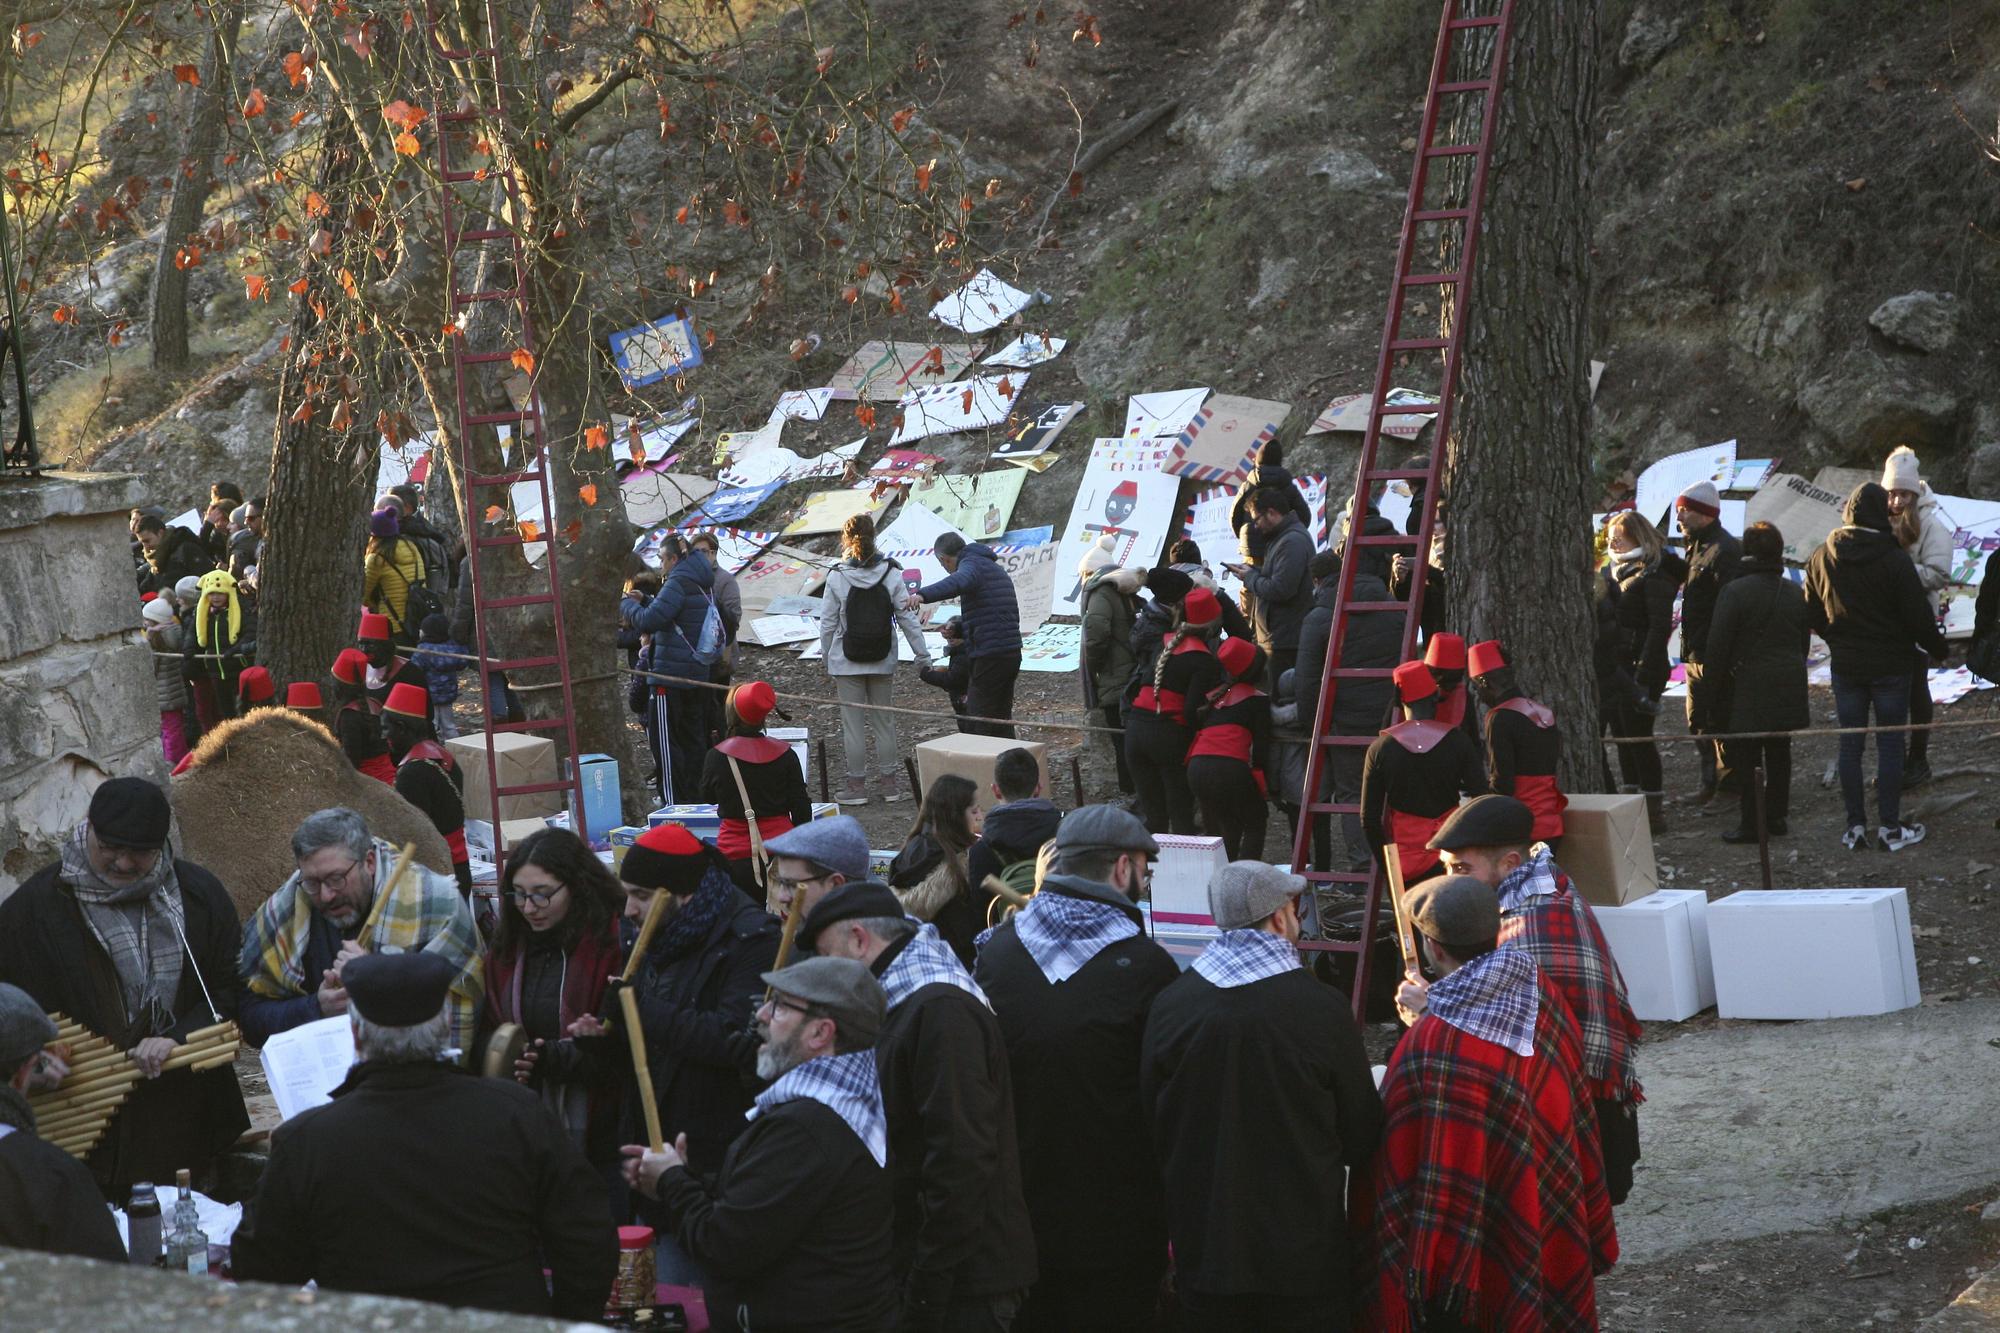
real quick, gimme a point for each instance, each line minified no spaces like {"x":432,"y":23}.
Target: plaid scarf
{"x":1542,"y":916}
{"x":846,"y":1085}
{"x":1239,"y":957}
{"x":1487,"y":1199}
{"x":1494,"y":997}
{"x":140,"y":927}
{"x":426,"y":914}
{"x":926,"y":960}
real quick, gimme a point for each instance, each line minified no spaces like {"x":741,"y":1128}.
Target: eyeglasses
{"x":539,"y":899}
{"x":315,"y":887}
{"x":794,"y":885}
{"x":777,"y":1002}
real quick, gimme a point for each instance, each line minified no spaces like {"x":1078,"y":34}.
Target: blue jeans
{"x":1889,"y":696}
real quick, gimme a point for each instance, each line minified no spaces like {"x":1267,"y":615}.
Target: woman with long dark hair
{"x":768,"y":770}
{"x":555,"y":948}
{"x":929,"y":875}
{"x":1227,"y":762}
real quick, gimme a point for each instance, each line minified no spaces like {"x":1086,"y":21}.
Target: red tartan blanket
{"x":1487,"y":1199}
{"x":1562,"y":935}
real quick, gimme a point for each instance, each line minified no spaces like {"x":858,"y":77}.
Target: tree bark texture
{"x":1517,"y":480}
{"x":322,"y":480}
{"x":192,"y":183}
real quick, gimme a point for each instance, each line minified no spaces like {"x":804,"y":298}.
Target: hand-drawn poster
{"x":1033,"y":569}
{"x":909,"y":541}
{"x":770,"y":631}
{"x":651,"y":352}
{"x":946,"y":409}
{"x":1349,"y":412}
{"x":651,"y":497}
{"x":885,"y":371}
{"x":1662,"y":481}
{"x":735,"y":546}
{"x":1975,"y":526}
{"x":1156,"y":416}
{"x":733,"y":504}
{"x":900,"y":467}
{"x":782,"y":571}
{"x":984,"y":303}
{"x":1033,"y":427}
{"x":1123,"y":496}
{"x":977,"y":506}
{"x":1208,"y":527}
{"x":826,"y":511}
{"x":1030,"y":349}
{"x":1053,"y":648}
{"x":782,"y":464}
{"x":1221,"y":442}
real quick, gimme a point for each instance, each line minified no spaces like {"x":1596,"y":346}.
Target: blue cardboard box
{"x":601,"y":797}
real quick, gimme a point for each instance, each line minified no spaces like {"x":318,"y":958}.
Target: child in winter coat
{"x":955,"y":676}
{"x":163,"y":637}
{"x":441,"y":660}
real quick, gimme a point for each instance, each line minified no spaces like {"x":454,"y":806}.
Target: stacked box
{"x":972,"y":757}
{"x":700,"y":820}
{"x":1181,"y":876}
{"x":1607,"y":849}
{"x":1813,"y":953}
{"x":1661,"y":945}
{"x":519,"y":760}
{"x":602,"y":797}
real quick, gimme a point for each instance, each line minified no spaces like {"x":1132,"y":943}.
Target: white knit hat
{"x":158,"y":612}
{"x":1098,"y":556}
{"x":1900,"y":472}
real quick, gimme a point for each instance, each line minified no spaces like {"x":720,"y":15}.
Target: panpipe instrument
{"x":74,"y":1115}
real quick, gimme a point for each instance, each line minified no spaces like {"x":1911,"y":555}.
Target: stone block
{"x":86,"y":557}
{"x":33,"y":620}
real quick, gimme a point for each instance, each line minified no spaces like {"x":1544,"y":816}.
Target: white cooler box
{"x":1812,"y":953}
{"x":1661,"y":945}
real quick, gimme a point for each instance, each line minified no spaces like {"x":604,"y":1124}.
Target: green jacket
{"x":1109,"y":604}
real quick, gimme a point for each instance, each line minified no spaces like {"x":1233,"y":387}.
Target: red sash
{"x":1541,"y":795}
{"x":732,"y":838}
{"x":379,"y":767}
{"x":1225,"y":740}
{"x":1409,"y":833}
{"x":1169,"y":704}
{"x":456,"y":841}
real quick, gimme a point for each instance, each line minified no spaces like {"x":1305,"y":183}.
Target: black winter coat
{"x":1088,"y":1170}
{"x":962,"y":1228}
{"x":1014,"y":831}
{"x":1282,"y":586}
{"x":1641,"y":606}
{"x":1713,"y":559}
{"x":1757,"y":642}
{"x":48,"y":1202}
{"x":1249,"y":541}
{"x":1374,"y":639}
{"x":1864,"y":598}
{"x":1257,"y":1096}
{"x":795,"y":1229}
{"x":344,"y":1200}
{"x":180,"y":1119}
{"x":986,"y":602}
{"x":182,"y":555}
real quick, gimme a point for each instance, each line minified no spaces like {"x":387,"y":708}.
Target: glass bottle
{"x":142,"y":1225}
{"x":187,"y":1243}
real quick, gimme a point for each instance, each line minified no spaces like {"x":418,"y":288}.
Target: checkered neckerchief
{"x":926,"y":961}
{"x":1533,"y":878}
{"x":1239,"y":957}
{"x":1494,"y":997}
{"x":846,"y":1085}
{"x":1062,"y":933}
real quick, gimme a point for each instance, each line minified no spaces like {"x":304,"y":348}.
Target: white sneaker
{"x":1856,"y":839}
{"x":854,"y":793}
{"x":1896,"y":839}
{"x":892,"y":792}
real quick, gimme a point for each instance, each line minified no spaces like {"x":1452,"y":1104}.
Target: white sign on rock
{"x":984,"y":303}
{"x":945,"y":409}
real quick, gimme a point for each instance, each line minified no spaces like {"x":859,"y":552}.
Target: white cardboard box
{"x":1180,"y":879}
{"x":1812,"y":953}
{"x":1661,"y":945}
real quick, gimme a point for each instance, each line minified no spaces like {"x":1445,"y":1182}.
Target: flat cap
{"x":398,"y":990}
{"x":851,"y":902}
{"x":131,"y":812}
{"x":846,"y":991}
{"x":24,"y":1028}
{"x":1104,"y":828}
{"x":1457,"y":911}
{"x":1245,"y":892}
{"x":839,"y":844}
{"x":1486,"y":821}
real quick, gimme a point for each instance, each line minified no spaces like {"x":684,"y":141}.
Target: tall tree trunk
{"x":1517,"y":480}
{"x":316,"y":518}
{"x":192,"y":184}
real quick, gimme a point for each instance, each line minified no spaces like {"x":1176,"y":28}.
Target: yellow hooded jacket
{"x":217,"y":580}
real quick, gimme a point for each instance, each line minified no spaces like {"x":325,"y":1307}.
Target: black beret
{"x":1486,"y":821}
{"x":398,"y":990}
{"x":131,"y":812}
{"x":851,"y":902}
{"x":1169,"y":585}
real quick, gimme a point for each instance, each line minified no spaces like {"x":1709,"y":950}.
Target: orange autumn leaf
{"x":304,"y":414}
{"x":343,"y":416}
{"x":531,"y":531}
{"x":65,"y":314}
{"x":298,"y":288}
{"x":117,"y":335}
{"x":865,"y":414}
{"x":901,"y":120}
{"x":407,"y":144}
{"x":494,"y":513}
{"x":253,"y":105}
{"x":573,"y":530}
{"x":965,"y":402}
{"x":348,"y":285}
{"x":295,"y":67}
{"x":404,"y":116}
{"x":638,"y":453}
{"x":850,"y":294}
{"x":187,"y":74}
{"x":596,"y":437}
{"x":588,"y":492}
{"x":316,"y":205}
{"x":1006,"y":387}
{"x":524,"y":360}
{"x":254,"y":286}
{"x":924,"y":176}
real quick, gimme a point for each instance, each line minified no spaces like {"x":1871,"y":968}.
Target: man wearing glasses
{"x":325,"y":916}
{"x":815,"y":859}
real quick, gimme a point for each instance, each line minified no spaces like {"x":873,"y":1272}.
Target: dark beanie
{"x":131,"y":812}
{"x":668,"y":857}
{"x":1169,"y":585}
{"x":1868,"y":507}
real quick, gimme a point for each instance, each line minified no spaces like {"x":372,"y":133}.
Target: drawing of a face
{"x":1118,"y":506}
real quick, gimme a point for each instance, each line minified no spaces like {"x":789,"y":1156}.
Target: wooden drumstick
{"x":1406,"y":931}
{"x":636,"y":1038}
{"x":655,"y":913}
{"x":793,"y":915}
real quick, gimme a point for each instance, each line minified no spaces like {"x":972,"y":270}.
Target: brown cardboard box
{"x":1607,"y":849}
{"x":972,"y":757}
{"x":521,"y":758}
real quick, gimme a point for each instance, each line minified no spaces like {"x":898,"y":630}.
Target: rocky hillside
{"x":1798,"y":221}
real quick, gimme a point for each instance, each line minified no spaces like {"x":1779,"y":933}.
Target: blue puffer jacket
{"x":682,"y":604}
{"x":985,"y":599}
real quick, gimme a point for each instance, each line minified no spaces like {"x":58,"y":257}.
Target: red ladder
{"x":529,"y":445}
{"x":1457,"y":45}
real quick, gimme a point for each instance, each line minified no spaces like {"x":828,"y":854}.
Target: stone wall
{"x":76,"y":680}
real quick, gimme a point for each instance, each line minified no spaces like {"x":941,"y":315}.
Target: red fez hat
{"x":1236,"y":655}
{"x":1414,"y":681}
{"x":1127,"y":490}
{"x":1201,"y":608}
{"x":1486,"y":657}
{"x":373,"y":626}
{"x":1446,"y":652}
{"x":407,"y":700}
{"x":754,"y":702}
{"x":351,"y":666}
{"x":147,"y":596}
{"x":255,"y":685}
{"x":665,"y":856}
{"x":302,"y":694}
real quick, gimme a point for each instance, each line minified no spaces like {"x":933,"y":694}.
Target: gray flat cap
{"x":839,"y":844}
{"x":24,"y":1028}
{"x":1104,"y":828}
{"x":1245,"y":892}
{"x":846,"y":990}
{"x":1457,"y":911}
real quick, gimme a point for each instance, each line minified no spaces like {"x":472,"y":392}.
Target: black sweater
{"x":1087,"y":1167}
{"x":1257,"y":1096}
{"x":795,"y":1230}
{"x":1517,"y":748}
{"x":776,"y":787}
{"x":1191,"y":674}
{"x":1713,"y":559}
{"x":962,"y":1227}
{"x":1425,"y":784}
{"x":1864,"y":598}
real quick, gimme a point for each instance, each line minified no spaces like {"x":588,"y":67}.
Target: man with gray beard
{"x":795,"y":1229}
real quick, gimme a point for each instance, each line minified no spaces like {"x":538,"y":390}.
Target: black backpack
{"x":869,"y":635}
